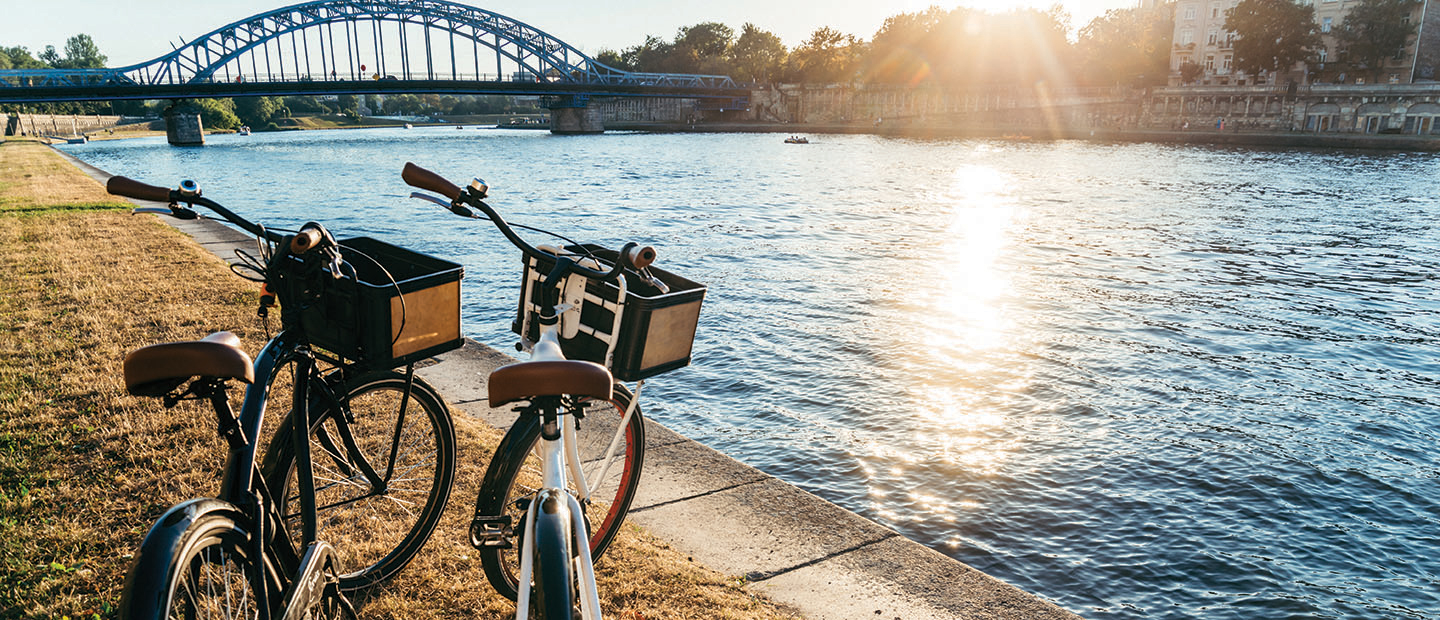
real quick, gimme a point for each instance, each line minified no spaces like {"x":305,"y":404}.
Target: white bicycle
{"x":563,"y":487}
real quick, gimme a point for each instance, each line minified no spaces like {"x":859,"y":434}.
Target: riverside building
{"x":1202,"y":42}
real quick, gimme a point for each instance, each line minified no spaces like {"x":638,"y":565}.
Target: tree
{"x":1271,"y":35}
{"x":20,"y":58}
{"x":306,"y":105}
{"x":826,"y":57}
{"x":348,"y":105}
{"x":257,"y":111}
{"x":215,"y":113}
{"x":758,"y":55}
{"x":1126,"y":46}
{"x":899,"y":54}
{"x":1374,"y":31}
{"x":650,"y":56}
{"x":82,"y":53}
{"x":1189,"y":72}
{"x":704,"y":40}
{"x":612,"y":58}
{"x":50,"y":57}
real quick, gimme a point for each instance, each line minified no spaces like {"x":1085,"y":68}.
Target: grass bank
{"x":85,"y":469}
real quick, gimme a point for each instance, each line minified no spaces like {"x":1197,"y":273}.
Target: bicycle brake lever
{"x":650,"y":279}
{"x":457,"y":209}
{"x":175,"y":211}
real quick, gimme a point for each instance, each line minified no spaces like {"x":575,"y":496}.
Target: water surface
{"x":1142,"y":381}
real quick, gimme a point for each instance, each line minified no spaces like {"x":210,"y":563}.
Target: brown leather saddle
{"x":158,"y":369}
{"x":528,"y":380}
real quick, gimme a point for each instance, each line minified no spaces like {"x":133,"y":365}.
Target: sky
{"x":133,"y":35}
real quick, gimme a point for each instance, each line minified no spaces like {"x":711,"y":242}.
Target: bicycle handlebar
{"x":130,"y":188}
{"x":310,"y":235}
{"x":426,"y":180}
{"x":632,"y":255}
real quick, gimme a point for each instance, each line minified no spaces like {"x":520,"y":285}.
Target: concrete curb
{"x":822,"y":560}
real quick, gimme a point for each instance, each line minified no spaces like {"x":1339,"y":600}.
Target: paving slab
{"x":820,"y":559}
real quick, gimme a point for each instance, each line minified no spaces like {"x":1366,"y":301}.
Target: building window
{"x":1214,"y":12}
{"x":1190,"y":11}
{"x":1187,"y":37}
{"x":1210,"y":63}
{"x":1214,"y":37}
{"x":1322,"y":55}
{"x":1225,"y":65}
{"x":1325,"y":24}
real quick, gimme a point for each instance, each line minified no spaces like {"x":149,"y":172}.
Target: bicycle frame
{"x":244,"y":487}
{"x":559,"y":457}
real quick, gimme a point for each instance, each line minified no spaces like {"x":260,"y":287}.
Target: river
{"x":1143,"y":381}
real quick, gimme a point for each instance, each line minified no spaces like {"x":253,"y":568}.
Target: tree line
{"x":959,"y":48}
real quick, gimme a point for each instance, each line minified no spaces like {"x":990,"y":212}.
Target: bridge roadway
{"x":251,"y":88}
{"x":820,"y":560}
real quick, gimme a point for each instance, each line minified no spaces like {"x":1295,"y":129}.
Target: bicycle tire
{"x":375,"y":534}
{"x":554,"y":575}
{"x":514,"y":472}
{"x":204,"y":572}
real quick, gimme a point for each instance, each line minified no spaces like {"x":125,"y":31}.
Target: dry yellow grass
{"x":85,"y":469}
{"x":34,"y":179}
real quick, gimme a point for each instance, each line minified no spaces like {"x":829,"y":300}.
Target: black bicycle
{"x":355,"y":478}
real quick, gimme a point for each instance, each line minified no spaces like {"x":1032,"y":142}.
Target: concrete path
{"x":802,"y":551}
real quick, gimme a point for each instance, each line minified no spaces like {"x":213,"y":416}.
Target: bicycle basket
{"x":657,"y":330}
{"x":383,"y":323}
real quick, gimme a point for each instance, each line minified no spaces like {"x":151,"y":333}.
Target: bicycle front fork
{"x":553,"y":498}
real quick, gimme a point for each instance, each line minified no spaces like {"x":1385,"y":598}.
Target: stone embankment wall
{"x":645,"y":110}
{"x":57,"y":124}
{"x":1410,"y":109}
{"x":845,"y":103}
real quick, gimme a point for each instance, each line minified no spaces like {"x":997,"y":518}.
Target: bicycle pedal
{"x":491,"y":532}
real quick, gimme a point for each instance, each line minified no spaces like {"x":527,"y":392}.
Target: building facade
{"x":1202,"y":42}
{"x":1202,"y":51}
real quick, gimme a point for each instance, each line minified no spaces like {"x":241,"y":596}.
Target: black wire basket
{"x":401,"y":307}
{"x":656,"y":331}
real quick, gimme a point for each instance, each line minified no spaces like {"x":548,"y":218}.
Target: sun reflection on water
{"x":964,"y":388}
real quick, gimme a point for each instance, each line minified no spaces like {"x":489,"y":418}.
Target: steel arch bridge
{"x":367,"y":47}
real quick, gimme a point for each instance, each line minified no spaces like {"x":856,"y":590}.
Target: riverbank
{"x":85,"y":469}
{"x":900,"y":129}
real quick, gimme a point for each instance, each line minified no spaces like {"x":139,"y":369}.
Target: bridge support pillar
{"x":183,"y":128}
{"x":573,"y":115}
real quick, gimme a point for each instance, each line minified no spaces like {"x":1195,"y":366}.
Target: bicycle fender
{"x":144,"y":586}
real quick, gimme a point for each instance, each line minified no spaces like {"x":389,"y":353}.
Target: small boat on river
{"x":797,"y":140}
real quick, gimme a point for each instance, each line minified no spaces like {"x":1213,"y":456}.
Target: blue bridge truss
{"x":367,"y":47}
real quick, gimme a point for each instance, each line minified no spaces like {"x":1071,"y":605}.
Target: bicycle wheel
{"x":554,"y":594}
{"x":205,"y":575}
{"x":514,"y":474}
{"x":376,"y":529}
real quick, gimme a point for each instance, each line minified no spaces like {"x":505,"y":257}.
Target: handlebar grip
{"x":641,"y":256}
{"x":130,"y":188}
{"x":426,"y":180}
{"x":305,"y":240}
